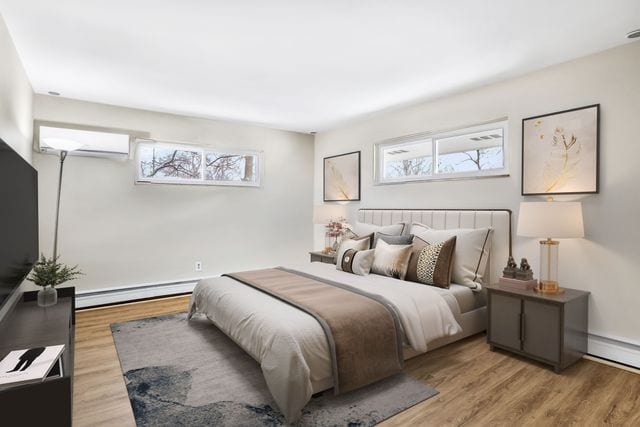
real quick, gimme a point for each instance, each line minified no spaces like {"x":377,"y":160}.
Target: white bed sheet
{"x":291,"y":346}
{"x":466,"y":298}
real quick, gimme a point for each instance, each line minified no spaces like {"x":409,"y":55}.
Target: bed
{"x":290,"y":345}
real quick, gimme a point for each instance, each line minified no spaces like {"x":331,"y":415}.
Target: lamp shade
{"x":550,"y":220}
{"x":323,"y":214}
{"x":62,"y":144}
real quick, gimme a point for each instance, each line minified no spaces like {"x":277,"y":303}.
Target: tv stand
{"x":48,"y":402}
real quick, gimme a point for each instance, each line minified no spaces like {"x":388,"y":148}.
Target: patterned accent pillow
{"x":431,"y":264}
{"x":391,"y":260}
{"x":472,"y":252}
{"x":357,"y":262}
{"x":361,"y":244}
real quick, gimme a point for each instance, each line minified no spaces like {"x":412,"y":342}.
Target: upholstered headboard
{"x":498,"y":219}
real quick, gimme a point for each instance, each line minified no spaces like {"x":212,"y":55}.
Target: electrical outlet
{"x":198,"y":265}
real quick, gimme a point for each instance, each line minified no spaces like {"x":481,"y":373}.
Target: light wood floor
{"x":477,"y":387}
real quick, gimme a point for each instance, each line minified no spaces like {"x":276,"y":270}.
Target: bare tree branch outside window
{"x":189,"y":164}
{"x":170,"y":163}
{"x":472,"y":160}
{"x":417,"y":166}
{"x":229,"y":167}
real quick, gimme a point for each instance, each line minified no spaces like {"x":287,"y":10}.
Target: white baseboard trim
{"x":92,"y":298}
{"x":614,"y":349}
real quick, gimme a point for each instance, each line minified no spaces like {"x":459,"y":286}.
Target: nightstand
{"x":548,"y":328}
{"x":317,"y":256}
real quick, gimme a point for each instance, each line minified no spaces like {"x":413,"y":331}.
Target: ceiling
{"x":298,"y":65}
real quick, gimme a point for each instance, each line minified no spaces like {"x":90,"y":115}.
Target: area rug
{"x":189,"y":373}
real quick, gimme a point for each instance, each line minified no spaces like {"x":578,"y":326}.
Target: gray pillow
{"x":362,"y":229}
{"x":392,"y":240}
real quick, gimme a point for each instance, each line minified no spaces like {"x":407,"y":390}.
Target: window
{"x":188,"y":164}
{"x":407,"y":160}
{"x":470,"y":152}
{"x":94,"y":141}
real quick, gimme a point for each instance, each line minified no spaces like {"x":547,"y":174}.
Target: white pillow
{"x":471,"y":253}
{"x":356,"y":262}
{"x":362,"y":229}
{"x":358,"y":245}
{"x":417,"y":227}
{"x":391,"y":260}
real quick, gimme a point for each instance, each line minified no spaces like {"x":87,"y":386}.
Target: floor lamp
{"x":64,"y":146}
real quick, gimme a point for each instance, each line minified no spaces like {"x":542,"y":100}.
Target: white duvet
{"x":291,"y":346}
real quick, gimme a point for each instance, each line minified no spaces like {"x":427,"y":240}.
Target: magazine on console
{"x":30,"y":365}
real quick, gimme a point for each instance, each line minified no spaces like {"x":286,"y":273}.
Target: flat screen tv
{"x":18,"y":220}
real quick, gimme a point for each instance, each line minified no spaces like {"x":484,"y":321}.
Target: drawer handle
{"x":522,"y":319}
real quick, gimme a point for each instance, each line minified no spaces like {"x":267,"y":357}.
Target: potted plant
{"x":49,"y":273}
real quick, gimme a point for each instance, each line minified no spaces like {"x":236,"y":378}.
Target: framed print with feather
{"x":342,"y":177}
{"x":560,"y":152}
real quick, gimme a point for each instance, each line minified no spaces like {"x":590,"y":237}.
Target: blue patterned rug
{"x":189,"y":373}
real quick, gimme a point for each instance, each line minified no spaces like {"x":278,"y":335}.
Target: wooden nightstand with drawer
{"x":550,"y":328}
{"x":318,"y":256}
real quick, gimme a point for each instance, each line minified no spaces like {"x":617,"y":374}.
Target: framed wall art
{"x":342,"y":177}
{"x":560,"y":152}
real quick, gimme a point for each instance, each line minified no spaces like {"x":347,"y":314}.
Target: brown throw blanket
{"x":363,"y":330}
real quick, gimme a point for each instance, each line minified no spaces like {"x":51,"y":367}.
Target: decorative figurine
{"x":511,"y":268}
{"x":524,"y":272}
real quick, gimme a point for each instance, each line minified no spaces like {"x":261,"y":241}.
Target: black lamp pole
{"x":63,"y":155}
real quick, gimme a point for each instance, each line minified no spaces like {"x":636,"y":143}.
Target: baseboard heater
{"x":613,"y":349}
{"x":98,"y":297}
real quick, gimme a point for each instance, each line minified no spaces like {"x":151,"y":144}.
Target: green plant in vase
{"x":49,"y":273}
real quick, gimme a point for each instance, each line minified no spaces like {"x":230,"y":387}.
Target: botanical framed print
{"x":560,"y":152}
{"x":342,"y":177}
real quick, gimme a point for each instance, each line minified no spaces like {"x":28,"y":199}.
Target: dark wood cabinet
{"x":506,"y":312}
{"x":47,"y":403}
{"x":541,"y":325}
{"x":322,"y":257}
{"x":548,"y":328}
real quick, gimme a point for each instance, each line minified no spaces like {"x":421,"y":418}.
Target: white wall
{"x":606,"y":262}
{"x":123,"y":234}
{"x":16,"y":98}
{"x":16,"y":110}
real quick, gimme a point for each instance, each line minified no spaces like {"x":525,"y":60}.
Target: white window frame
{"x":405,"y":140}
{"x":434,"y":137}
{"x":203,"y":149}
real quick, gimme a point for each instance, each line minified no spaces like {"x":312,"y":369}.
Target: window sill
{"x":501,"y":174}
{"x":198,"y":183}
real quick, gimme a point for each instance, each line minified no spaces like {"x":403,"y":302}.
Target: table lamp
{"x":550,"y":220}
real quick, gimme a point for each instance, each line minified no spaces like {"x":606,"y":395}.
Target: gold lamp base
{"x":549,"y":287}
